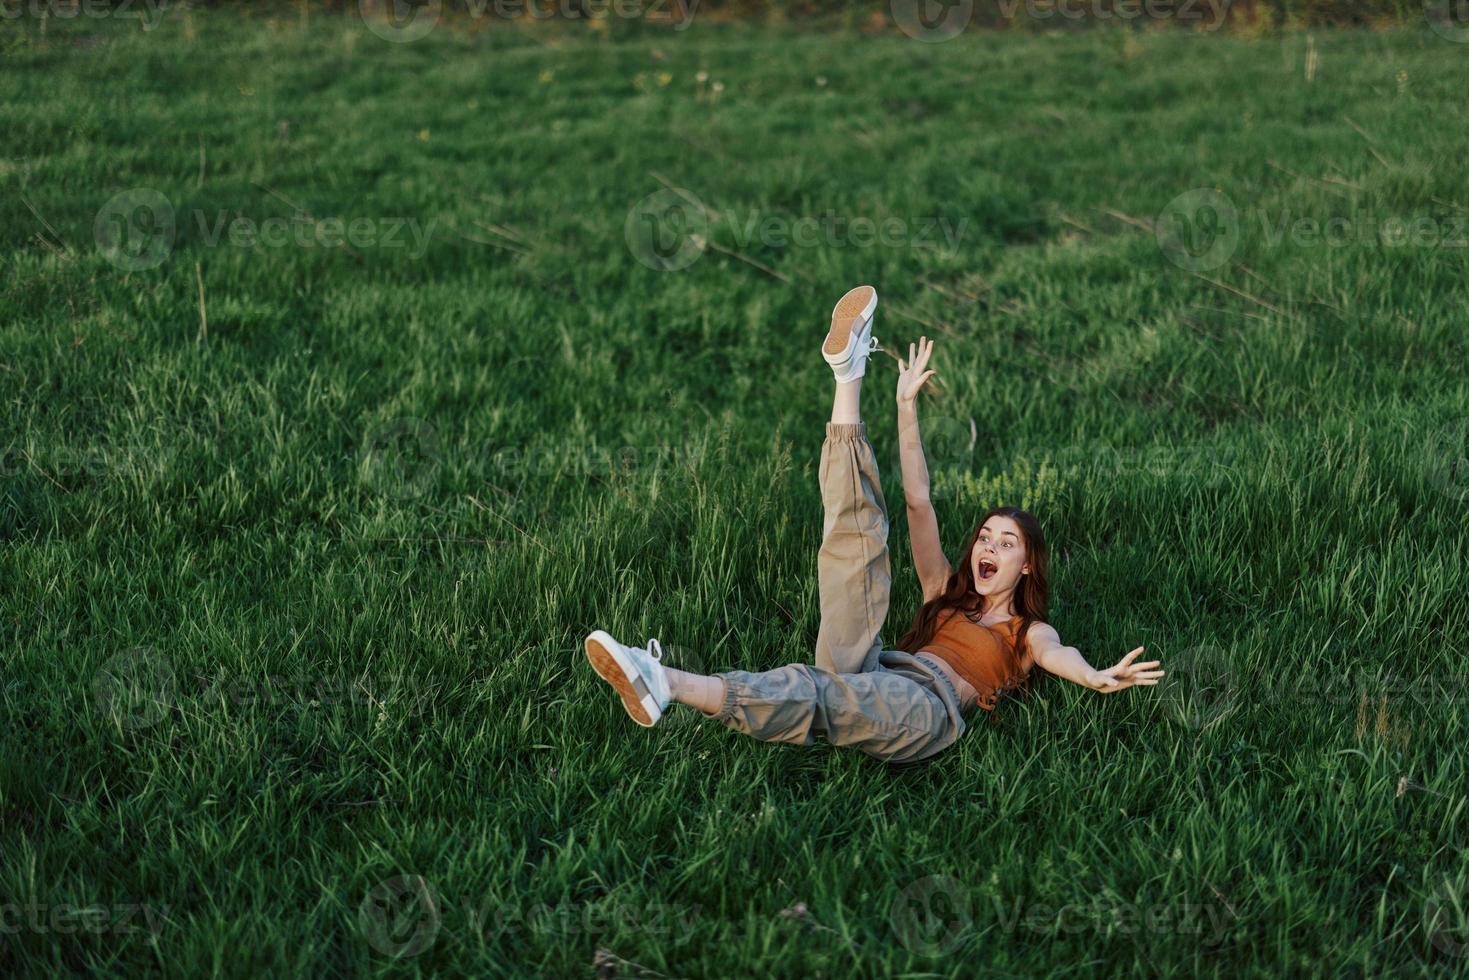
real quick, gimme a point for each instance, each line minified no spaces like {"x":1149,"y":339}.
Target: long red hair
{"x":1031,"y":599}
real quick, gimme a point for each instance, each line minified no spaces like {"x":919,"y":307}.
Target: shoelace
{"x":872,"y":345}
{"x":655,"y":649}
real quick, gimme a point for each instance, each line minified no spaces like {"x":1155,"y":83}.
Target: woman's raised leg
{"x":852,"y":568}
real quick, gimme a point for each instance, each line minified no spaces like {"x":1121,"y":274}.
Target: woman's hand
{"x":912,"y":375}
{"x":1124,"y":675}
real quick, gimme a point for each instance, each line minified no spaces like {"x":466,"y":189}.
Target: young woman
{"x":980,"y":631}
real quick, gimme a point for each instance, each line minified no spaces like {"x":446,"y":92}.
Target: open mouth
{"x":987,"y":569}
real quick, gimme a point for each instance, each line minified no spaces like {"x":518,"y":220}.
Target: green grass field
{"x":347,"y":384}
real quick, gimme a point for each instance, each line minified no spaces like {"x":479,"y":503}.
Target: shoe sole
{"x":851,"y":310}
{"x":614,"y":672}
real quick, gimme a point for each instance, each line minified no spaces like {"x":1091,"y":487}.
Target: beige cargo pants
{"x":892,"y":705}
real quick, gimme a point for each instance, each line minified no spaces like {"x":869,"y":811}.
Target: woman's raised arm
{"x":923,"y":524}
{"x":1068,"y":662}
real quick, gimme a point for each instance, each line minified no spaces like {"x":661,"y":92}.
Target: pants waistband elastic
{"x":940,"y":674}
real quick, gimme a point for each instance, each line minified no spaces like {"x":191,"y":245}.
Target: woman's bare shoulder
{"x":1040,"y":636}
{"x":1038,"y":628}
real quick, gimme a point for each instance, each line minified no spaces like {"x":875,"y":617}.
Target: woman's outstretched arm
{"x":1068,"y":662}
{"x":923,"y":524}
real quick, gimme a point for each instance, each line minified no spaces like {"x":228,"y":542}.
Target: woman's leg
{"x":846,"y":404}
{"x":852,"y":568}
{"x":701,"y":691}
{"x":886,"y":714}
{"x":902,"y":712}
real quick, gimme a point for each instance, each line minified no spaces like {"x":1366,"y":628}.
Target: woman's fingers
{"x":925,"y":346}
{"x":917,"y":361}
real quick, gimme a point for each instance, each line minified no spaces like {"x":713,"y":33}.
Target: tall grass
{"x":300,"y":538}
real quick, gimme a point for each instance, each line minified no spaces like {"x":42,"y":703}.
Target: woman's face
{"x":998,"y":558}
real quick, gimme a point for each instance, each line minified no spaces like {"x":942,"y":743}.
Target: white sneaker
{"x":634,"y":672}
{"x":850,"y":339}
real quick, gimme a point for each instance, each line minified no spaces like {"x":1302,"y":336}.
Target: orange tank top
{"x":985,"y":656}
